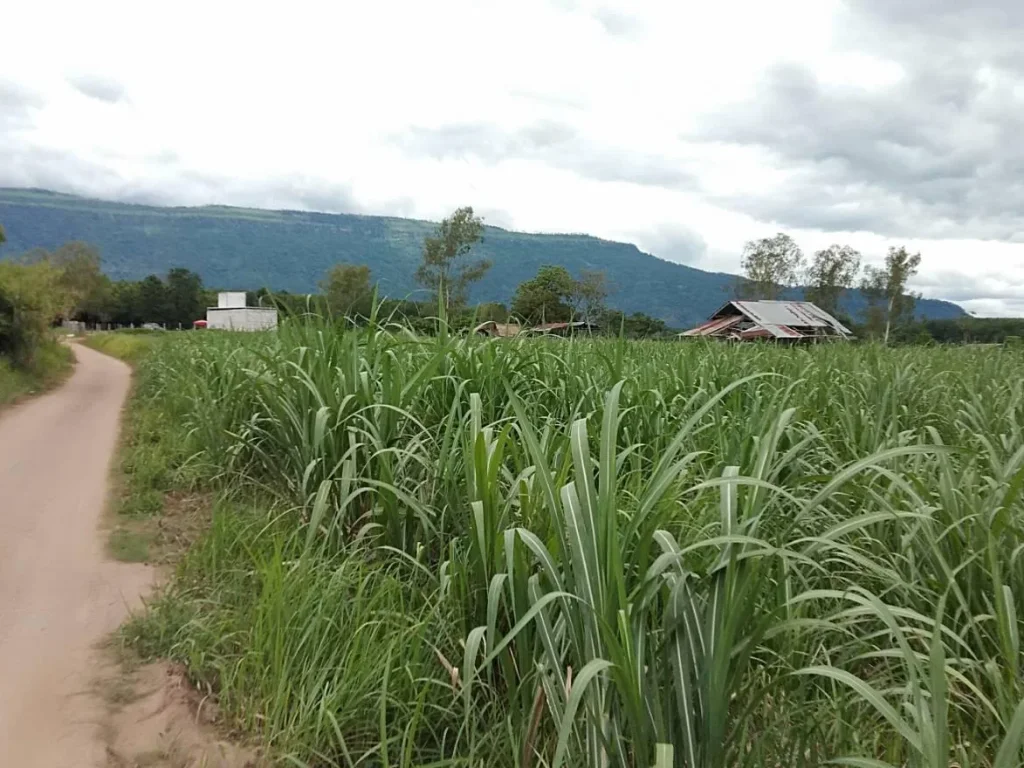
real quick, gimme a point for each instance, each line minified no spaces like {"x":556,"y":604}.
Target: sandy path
{"x":59,"y":594}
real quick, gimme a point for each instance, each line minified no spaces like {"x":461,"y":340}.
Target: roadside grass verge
{"x":156,"y":512}
{"x":51,"y":364}
{"x":129,"y":346}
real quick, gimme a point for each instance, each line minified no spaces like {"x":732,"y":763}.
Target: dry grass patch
{"x":162,"y":538}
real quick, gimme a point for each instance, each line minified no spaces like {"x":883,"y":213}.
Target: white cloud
{"x":549,"y":115}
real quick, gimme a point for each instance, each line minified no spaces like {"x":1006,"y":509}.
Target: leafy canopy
{"x":886,"y":289}
{"x":832,"y":271}
{"x":31,"y":297}
{"x":545,"y":298}
{"x":769,"y":265}
{"x":445,"y":269}
{"x":348,"y":290}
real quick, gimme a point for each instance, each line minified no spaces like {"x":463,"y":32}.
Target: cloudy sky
{"x":686,"y":127}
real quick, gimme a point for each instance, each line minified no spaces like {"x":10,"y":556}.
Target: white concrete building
{"x":231,"y":314}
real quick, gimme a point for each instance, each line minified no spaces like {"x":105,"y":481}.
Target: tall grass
{"x":603,"y":553}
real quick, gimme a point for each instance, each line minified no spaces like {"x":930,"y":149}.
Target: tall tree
{"x":31,"y":298}
{"x":589,"y":293}
{"x":832,"y":271}
{"x":545,"y":298}
{"x":126,"y":303}
{"x":184,"y":297}
{"x":886,"y":287}
{"x":85,"y":286}
{"x":445,"y":269}
{"x":3,"y":235}
{"x":770,"y":264}
{"x":347,"y":289}
{"x":152,"y":300}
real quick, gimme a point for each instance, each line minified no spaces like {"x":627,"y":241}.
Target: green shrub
{"x":31,"y":297}
{"x":49,"y":365}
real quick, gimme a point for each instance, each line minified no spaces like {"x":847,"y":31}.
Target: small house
{"x":232,"y":314}
{"x":564,"y":329}
{"x":786,"y":321}
{"x":498,"y":330}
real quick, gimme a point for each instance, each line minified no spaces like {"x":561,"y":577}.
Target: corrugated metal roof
{"x":770,"y":329}
{"x":502,"y":330}
{"x":713,"y":326}
{"x":789,"y":313}
{"x":563,"y":326}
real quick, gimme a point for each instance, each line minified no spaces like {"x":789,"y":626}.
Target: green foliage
{"x":553,"y":296}
{"x":347,"y":290}
{"x":590,"y":553}
{"x":82,"y":279}
{"x":833,"y":271}
{"x":635,"y":326}
{"x":178,"y":300}
{"x":964,"y":330}
{"x":589,"y":295}
{"x":885,"y":288}
{"x":291,"y":251}
{"x":491,"y":311}
{"x":129,"y":346}
{"x":50,"y":363}
{"x":32,"y":296}
{"x":445,"y":270}
{"x":545,"y":298}
{"x":769,"y":265}
{"x":184,"y":298}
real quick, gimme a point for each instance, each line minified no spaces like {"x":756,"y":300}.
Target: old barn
{"x":789,"y":321}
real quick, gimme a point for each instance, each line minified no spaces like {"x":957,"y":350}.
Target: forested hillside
{"x":290,"y":250}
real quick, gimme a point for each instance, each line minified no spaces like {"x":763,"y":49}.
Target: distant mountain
{"x":246,"y":248}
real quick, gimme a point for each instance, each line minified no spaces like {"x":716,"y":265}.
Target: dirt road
{"x":59,"y":594}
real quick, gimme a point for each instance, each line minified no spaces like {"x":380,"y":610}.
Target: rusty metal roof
{"x":770,"y":329}
{"x":501,"y":330}
{"x":713,"y":326}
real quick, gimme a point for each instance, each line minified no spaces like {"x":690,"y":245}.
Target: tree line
{"x":771,"y":267}
{"x":176,"y":299}
{"x":447,"y":271}
{"x":773,"y":264}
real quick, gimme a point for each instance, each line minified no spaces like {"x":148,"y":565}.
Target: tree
{"x":3,"y":235}
{"x":97,"y":304}
{"x":152,"y":300}
{"x":545,"y":298}
{"x":126,"y":303}
{"x":885,"y":289}
{"x":85,"y":287}
{"x":492,"y":310}
{"x":445,"y":269}
{"x":635,"y":326}
{"x":770,"y":264}
{"x":31,"y":298}
{"x":347,"y":289}
{"x":588,"y":296}
{"x":183,"y":297}
{"x":833,"y":271}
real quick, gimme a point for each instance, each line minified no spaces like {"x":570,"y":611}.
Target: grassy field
{"x":51,"y":364}
{"x":449,"y":551}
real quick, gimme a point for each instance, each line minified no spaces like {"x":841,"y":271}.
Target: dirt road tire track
{"x":59,"y":593}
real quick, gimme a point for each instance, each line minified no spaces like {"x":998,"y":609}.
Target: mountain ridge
{"x":237,"y":247}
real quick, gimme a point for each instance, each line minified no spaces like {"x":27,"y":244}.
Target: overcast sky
{"x":686,"y":127}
